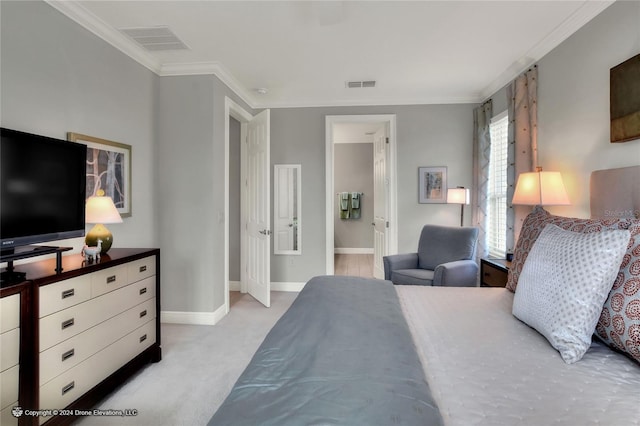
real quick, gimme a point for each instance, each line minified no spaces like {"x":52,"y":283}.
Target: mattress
{"x":485,"y":367}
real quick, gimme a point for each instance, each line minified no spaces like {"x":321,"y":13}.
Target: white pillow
{"x":564,"y":283}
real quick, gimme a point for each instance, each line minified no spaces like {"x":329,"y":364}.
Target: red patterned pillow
{"x":619,"y":323}
{"x":535,"y":222}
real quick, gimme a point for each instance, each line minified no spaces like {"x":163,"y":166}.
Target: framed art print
{"x":432,"y":185}
{"x":109,"y":169}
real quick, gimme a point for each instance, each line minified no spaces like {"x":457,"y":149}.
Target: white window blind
{"x":497,"y":192}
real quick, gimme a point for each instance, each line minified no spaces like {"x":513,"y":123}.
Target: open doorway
{"x":254,"y":205}
{"x":361,"y":193}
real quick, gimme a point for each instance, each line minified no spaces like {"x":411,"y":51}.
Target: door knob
{"x":265,"y":232}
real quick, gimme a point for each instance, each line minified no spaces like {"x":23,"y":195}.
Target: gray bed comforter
{"x":341,"y":355}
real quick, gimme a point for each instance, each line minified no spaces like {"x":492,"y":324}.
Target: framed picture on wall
{"x":625,"y":100}
{"x":109,"y":169}
{"x":432,"y":185}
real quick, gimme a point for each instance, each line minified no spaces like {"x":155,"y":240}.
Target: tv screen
{"x":42,"y":189}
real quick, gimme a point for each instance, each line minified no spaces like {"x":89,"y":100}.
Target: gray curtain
{"x":522,"y":97}
{"x":481,"y":153}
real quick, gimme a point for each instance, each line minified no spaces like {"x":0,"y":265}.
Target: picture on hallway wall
{"x":109,"y":169}
{"x":432,"y":185}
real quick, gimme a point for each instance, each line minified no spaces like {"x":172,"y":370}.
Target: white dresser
{"x":9,"y":357}
{"x":90,"y":328}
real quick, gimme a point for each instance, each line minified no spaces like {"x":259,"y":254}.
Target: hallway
{"x":357,"y":265}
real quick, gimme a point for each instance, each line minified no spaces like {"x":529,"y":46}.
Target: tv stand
{"x":24,"y":252}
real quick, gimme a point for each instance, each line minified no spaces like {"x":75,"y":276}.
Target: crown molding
{"x":76,"y":12}
{"x":584,"y":14}
{"x":204,"y":68}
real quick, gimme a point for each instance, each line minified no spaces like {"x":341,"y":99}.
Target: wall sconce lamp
{"x":459,"y":195}
{"x":99,"y":210}
{"x":540,"y":188}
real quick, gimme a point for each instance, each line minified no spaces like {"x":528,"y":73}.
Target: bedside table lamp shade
{"x":100,"y":210}
{"x":540,"y":188}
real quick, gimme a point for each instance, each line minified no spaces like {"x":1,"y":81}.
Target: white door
{"x":257,"y":236}
{"x":381,"y":193}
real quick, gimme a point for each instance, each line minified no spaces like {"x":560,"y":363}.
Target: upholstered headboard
{"x":615,"y":193}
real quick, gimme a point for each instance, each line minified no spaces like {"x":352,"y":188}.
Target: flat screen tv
{"x":42,"y":189}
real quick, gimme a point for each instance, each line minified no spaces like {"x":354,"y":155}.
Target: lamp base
{"x":99,"y":232}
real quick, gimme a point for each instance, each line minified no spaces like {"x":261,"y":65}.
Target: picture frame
{"x":432,"y":185}
{"x":109,"y":169}
{"x":624,"y":100}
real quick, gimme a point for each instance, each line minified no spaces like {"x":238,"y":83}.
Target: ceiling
{"x":304,"y":52}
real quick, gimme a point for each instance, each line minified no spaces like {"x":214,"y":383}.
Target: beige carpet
{"x":199,"y":366}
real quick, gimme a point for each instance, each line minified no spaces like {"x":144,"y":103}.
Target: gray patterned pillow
{"x":564,"y":283}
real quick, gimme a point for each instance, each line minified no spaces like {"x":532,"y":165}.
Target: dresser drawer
{"x":6,"y":416}
{"x":140,"y":269}
{"x":9,"y":348}
{"x":63,"y":294}
{"x":9,"y":313}
{"x":63,"y":325}
{"x":108,"y":280}
{"x":9,"y":386}
{"x":60,"y":358}
{"x":67,"y":387}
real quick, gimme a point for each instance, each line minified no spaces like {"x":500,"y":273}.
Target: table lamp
{"x":100,"y":210}
{"x":540,"y":188}
{"x":459,"y":195}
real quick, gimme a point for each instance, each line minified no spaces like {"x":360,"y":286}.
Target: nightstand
{"x":493,"y":272}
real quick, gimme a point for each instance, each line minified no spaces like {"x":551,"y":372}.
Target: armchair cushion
{"x":412,"y":277}
{"x":441,"y":244}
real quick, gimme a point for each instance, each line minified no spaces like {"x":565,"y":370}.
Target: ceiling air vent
{"x":359,"y":84}
{"x":155,"y":38}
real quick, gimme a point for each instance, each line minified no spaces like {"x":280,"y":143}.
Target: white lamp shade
{"x":458,"y":196}
{"x":543,"y":188}
{"x":100,"y":209}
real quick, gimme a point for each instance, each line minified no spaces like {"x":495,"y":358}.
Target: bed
{"x":355,"y":351}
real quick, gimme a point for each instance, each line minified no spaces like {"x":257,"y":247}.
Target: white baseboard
{"x":193,"y":318}
{"x":212,"y":318}
{"x":357,"y":250}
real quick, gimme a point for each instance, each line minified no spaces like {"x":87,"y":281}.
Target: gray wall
{"x":353,"y":172}
{"x":427,"y":135}
{"x":57,"y":77}
{"x":190,"y":128}
{"x":573,"y":103}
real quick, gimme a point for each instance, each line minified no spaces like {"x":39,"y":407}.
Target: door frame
{"x":392,"y":206}
{"x":231,"y":109}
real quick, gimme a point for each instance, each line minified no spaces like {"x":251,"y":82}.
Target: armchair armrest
{"x":461,"y":273}
{"x":399,"y":261}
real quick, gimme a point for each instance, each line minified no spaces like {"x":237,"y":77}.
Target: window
{"x":497,"y":190}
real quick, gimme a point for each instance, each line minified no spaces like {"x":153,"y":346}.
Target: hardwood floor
{"x":357,"y":265}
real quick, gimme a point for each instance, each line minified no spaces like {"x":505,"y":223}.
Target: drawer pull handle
{"x":111,"y":279}
{"x":68,"y":387}
{"x":68,"y":354}
{"x":68,"y":323}
{"x":143,"y":338}
{"x":143,"y":268}
{"x":143,"y":313}
{"x":143,"y":290}
{"x":68,"y":293}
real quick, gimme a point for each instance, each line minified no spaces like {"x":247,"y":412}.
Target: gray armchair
{"x":445,"y":257}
